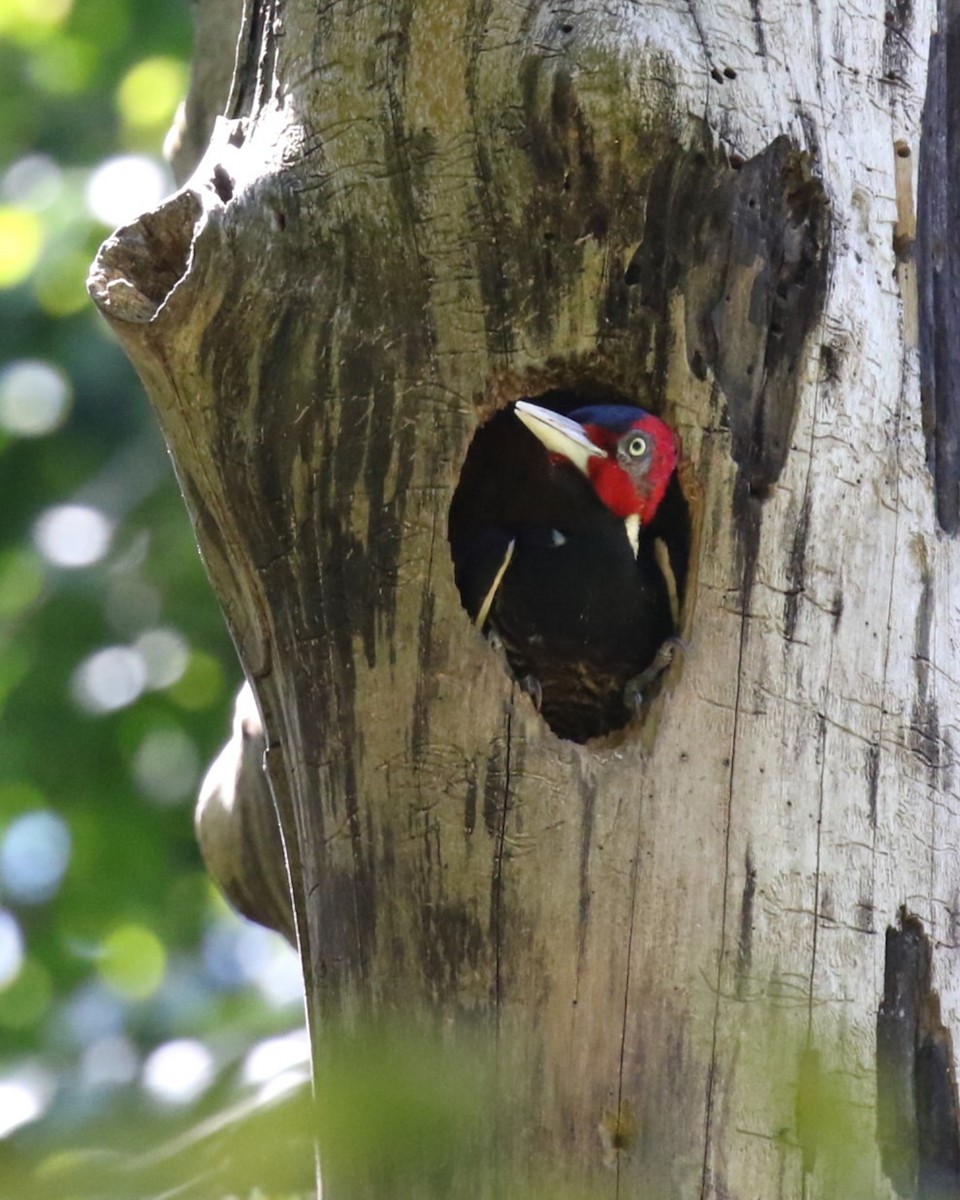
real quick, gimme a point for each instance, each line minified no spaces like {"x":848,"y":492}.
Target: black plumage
{"x":543,"y":563}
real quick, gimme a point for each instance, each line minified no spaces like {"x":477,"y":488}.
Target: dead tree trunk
{"x":718,"y":949}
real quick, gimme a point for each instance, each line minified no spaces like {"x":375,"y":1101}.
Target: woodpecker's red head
{"x":628,"y":454}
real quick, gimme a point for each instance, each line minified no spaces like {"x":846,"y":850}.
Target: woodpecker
{"x":571,"y":574}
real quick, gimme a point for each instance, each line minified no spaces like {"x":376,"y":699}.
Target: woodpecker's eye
{"x":637,"y":446}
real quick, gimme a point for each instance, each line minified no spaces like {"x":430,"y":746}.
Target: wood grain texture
{"x":433,"y":207}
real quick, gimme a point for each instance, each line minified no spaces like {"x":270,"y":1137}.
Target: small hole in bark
{"x":716,"y":75}
{"x":736,"y":161}
{"x":730,"y":72}
{"x":902,"y":149}
{"x":222,"y":183}
{"x":830,"y":363}
{"x":544,"y":563}
{"x":280,"y":219}
{"x":566,"y":27}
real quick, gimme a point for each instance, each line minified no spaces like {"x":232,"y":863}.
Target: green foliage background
{"x":134,"y":926}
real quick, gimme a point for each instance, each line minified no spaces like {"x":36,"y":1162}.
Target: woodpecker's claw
{"x":531,"y":685}
{"x":633,"y":693}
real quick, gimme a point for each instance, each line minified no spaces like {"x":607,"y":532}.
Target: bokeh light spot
{"x":34,"y":397}
{"x":11,"y":948}
{"x":178,"y":1072}
{"x":122,"y":188}
{"x":21,"y":240}
{"x":30,"y":21}
{"x":109,"y":680}
{"x":274,"y":1055}
{"x":282,"y":985}
{"x":72,"y":535}
{"x":133,"y":962}
{"x":34,"y":855}
{"x":150,"y":92}
{"x":109,"y":1062}
{"x":166,"y":766}
{"x":34,"y":181}
{"x":23,"y":1098}
{"x":165,"y":653}
{"x":237,"y":952}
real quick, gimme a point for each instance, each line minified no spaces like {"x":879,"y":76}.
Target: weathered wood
{"x":428,"y":210}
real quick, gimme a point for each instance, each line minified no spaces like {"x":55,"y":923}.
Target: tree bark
{"x":715,"y":949}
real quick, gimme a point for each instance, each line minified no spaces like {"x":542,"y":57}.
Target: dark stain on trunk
{"x":748,"y":517}
{"x":745,"y":939}
{"x":938,"y":264}
{"x":924,"y":736}
{"x":470,"y":799}
{"x":763,"y":287}
{"x":494,"y":787}
{"x":872,"y":766}
{"x":426,"y":683}
{"x":918,"y":1117}
{"x":452,"y":941}
{"x":570,"y":203}
{"x":758,"y":30}
{"x":795,"y":571}
{"x":748,"y":249}
{"x":344,"y":596}
{"x":897,"y":51}
{"x":588,"y":803}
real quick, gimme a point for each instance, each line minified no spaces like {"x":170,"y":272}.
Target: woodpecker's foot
{"x":531,"y":685}
{"x":636,"y":687}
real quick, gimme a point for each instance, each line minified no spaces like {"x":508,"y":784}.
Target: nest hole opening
{"x":584,"y":599}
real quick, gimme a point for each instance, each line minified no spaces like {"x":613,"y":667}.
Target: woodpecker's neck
{"x":632,"y":523}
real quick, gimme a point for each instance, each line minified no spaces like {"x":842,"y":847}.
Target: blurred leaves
{"x":149,"y":93}
{"x":401,"y":1112}
{"x":116,"y":672}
